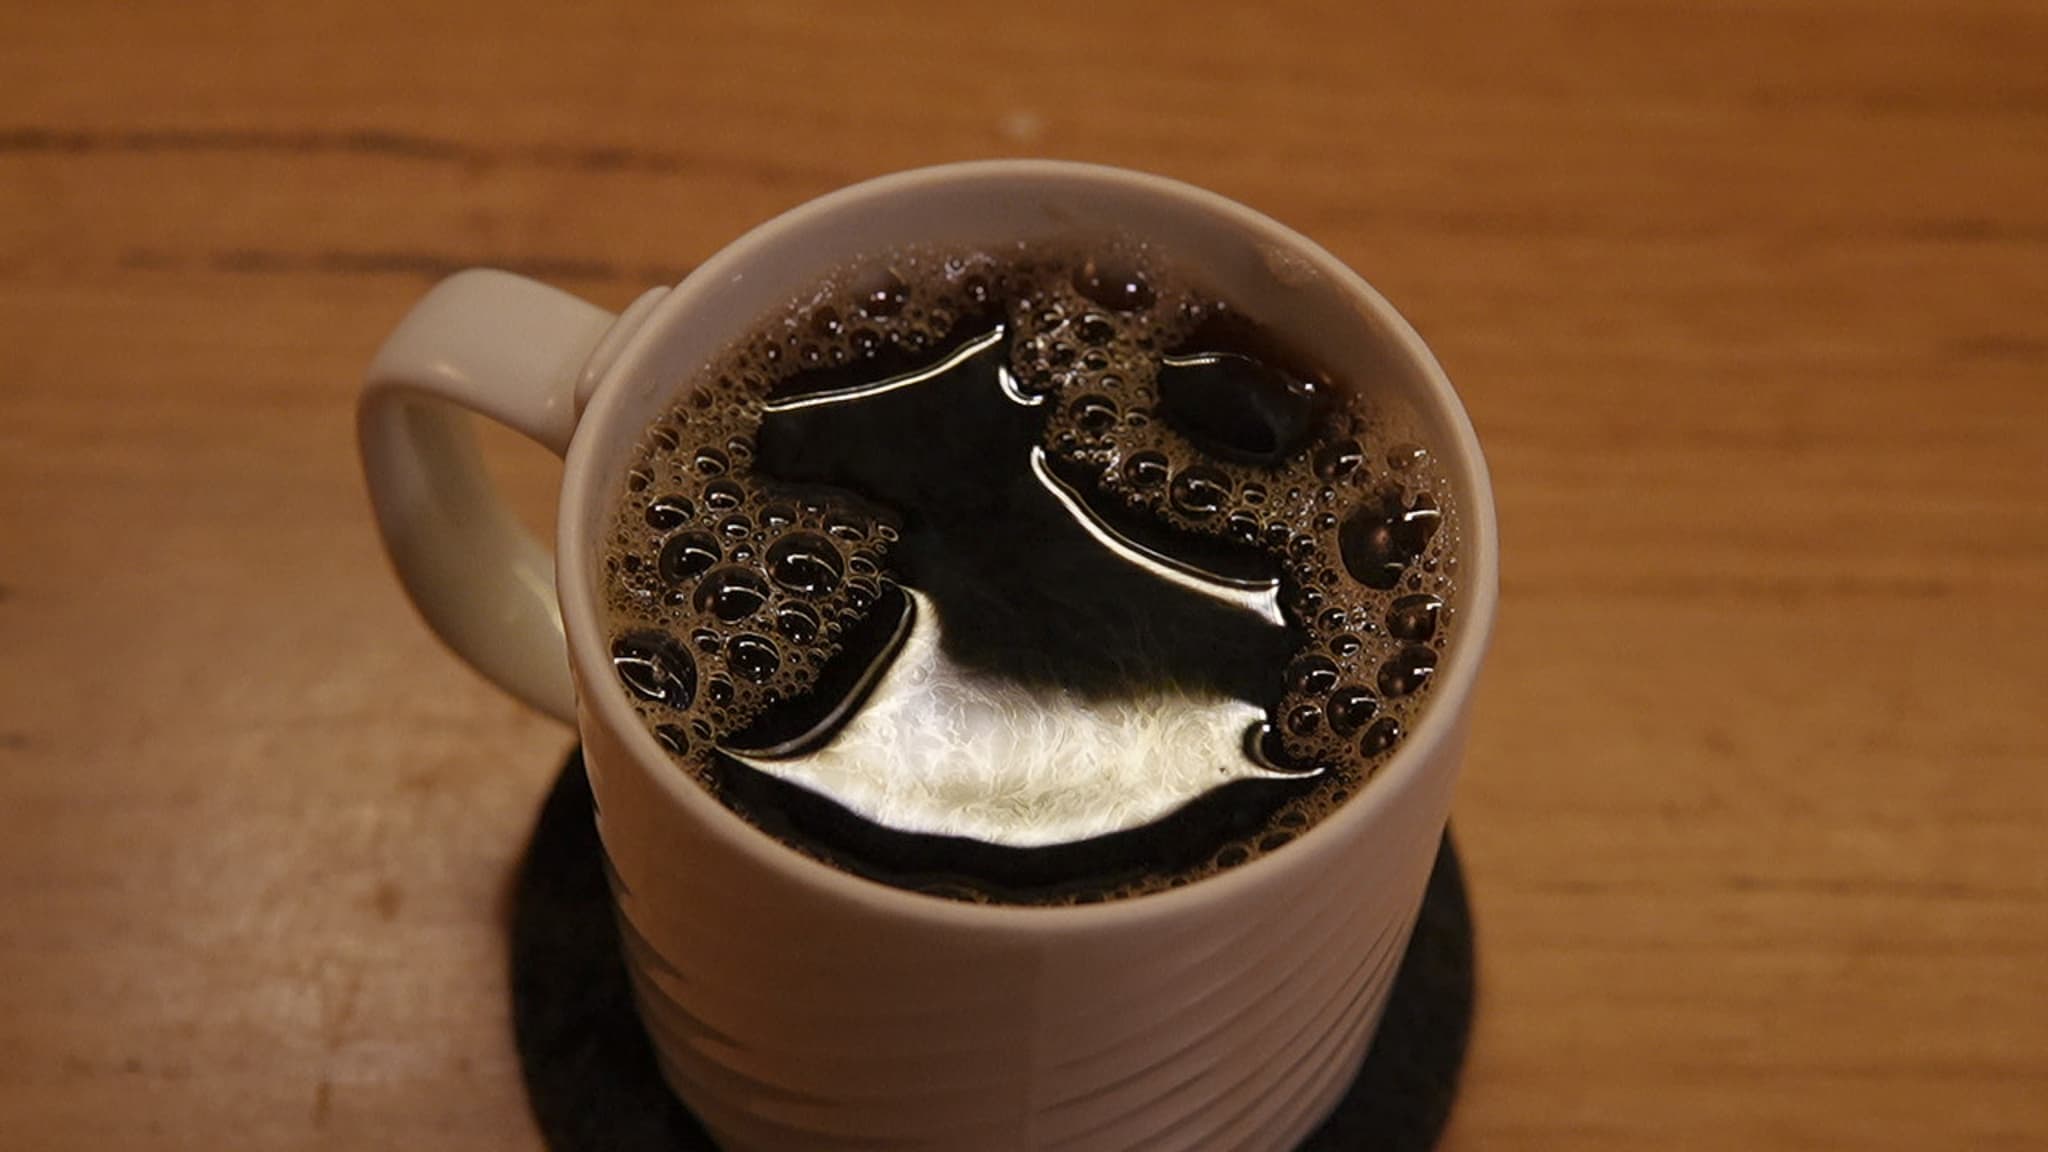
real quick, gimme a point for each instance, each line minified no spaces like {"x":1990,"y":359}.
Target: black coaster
{"x":591,"y":1074}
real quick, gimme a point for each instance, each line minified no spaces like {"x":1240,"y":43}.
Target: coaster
{"x":591,"y":1076}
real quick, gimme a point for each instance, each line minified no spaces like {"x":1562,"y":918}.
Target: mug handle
{"x":514,"y":351}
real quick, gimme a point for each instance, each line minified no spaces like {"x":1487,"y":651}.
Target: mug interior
{"x":1294,"y":288}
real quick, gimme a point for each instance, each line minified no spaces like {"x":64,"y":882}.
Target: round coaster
{"x":591,"y":1077}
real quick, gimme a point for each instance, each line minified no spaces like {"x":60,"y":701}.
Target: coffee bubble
{"x":687,"y":556}
{"x":806,"y":563}
{"x":654,"y":668}
{"x":1414,"y":617}
{"x":731,"y":594}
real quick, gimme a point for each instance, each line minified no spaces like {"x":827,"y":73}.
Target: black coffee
{"x":1037,"y":575}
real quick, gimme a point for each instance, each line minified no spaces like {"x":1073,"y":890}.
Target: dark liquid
{"x":1091,"y":475}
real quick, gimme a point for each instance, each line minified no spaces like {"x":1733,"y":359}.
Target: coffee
{"x":1029,"y":575}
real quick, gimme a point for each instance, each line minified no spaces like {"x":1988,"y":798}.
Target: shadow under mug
{"x":794,"y":1006}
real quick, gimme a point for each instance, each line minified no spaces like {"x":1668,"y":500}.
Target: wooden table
{"x":1749,"y":302}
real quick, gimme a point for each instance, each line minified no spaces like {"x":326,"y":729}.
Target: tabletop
{"x":1746,"y":301}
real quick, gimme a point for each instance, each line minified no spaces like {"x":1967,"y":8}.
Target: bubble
{"x":731,"y":593}
{"x":1333,"y":621}
{"x":630,"y":562}
{"x":1371,"y":547}
{"x":687,"y":556}
{"x":1346,"y":644}
{"x":882,"y":294}
{"x":1340,"y":459}
{"x":1147,"y":469}
{"x":805,"y":562}
{"x":653,"y":667}
{"x":1113,"y":285}
{"x":1414,"y":617}
{"x":776,"y":517}
{"x":1304,"y":720}
{"x":1417,"y":524}
{"x":825,"y":322}
{"x":1242,"y":526}
{"x":739,"y":448}
{"x":719,"y":691}
{"x":711,"y":462}
{"x":1200,"y":490}
{"x":1351,"y":708}
{"x":1236,"y":407}
{"x":638,"y":479}
{"x":663,"y":438}
{"x":1407,"y":671}
{"x":724,"y":495}
{"x":1253,"y":493}
{"x":673,"y":738}
{"x":754,"y":657}
{"x":706,"y":640}
{"x":1094,"y":328}
{"x":736,"y":527}
{"x":797,"y":621}
{"x":1406,"y":456}
{"x":861,"y":593}
{"x":1384,"y":733}
{"x":1095,"y":414}
{"x":846,"y":528}
{"x":1313,"y":675}
{"x":670,"y":512}
{"x":1308,"y":599}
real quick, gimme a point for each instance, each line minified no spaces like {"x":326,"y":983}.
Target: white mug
{"x":795,"y":1006}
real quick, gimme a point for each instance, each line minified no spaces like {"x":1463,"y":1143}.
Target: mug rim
{"x":603,"y":702}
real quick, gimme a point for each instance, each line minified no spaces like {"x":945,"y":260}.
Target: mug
{"x":795,"y":1006}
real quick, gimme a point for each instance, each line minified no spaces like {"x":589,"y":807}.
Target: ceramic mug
{"x":795,"y":1006}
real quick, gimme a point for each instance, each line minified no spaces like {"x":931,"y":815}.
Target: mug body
{"x":796,"y":1006}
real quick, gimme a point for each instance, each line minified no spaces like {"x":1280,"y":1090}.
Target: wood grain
{"x":1746,"y":300}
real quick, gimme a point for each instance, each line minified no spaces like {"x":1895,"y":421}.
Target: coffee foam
{"x":728,"y":594}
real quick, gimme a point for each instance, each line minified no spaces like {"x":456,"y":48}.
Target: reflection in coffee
{"x":1034,"y":575}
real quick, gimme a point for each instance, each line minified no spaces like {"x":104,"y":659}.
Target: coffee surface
{"x":1030,"y":575}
